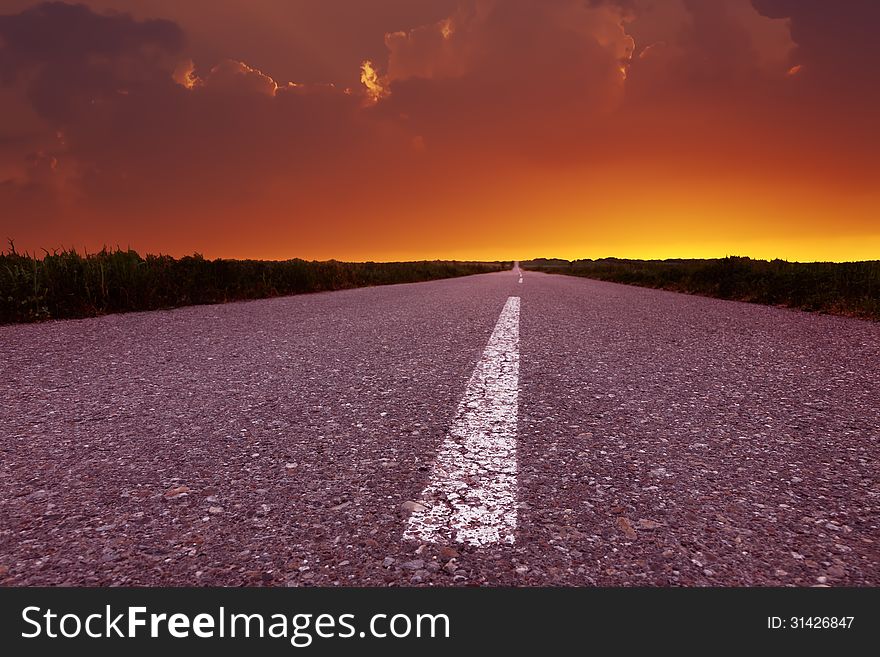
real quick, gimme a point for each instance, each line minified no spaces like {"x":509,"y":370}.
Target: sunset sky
{"x":468,"y":129}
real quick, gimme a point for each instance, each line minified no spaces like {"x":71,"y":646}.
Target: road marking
{"x":471,"y":495}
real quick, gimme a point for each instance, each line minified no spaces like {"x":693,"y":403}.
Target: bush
{"x":848,"y":288}
{"x":69,"y":285}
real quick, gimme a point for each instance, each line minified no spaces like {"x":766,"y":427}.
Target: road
{"x":602,"y":435}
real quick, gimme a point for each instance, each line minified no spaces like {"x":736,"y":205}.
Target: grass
{"x":850,"y":288}
{"x":68,"y":285}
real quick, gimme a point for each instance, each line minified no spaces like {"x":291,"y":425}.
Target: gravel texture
{"x":663,"y":439}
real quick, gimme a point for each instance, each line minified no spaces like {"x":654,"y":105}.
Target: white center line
{"x":471,"y":495}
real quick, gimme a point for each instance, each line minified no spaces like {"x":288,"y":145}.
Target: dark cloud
{"x":690,"y":46}
{"x":833,"y":86}
{"x":56,"y":31}
{"x":523,"y":71}
{"x":837,"y":57}
{"x":68,"y":57}
{"x":837,"y":42}
{"x":296,"y":40}
{"x":144,"y":148}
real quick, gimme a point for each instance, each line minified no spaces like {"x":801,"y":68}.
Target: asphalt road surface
{"x":558,"y":431}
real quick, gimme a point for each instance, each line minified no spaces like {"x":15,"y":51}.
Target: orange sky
{"x":472,"y":129}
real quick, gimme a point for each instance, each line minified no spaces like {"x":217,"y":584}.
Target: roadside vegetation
{"x":65,"y":285}
{"x":849,"y":288}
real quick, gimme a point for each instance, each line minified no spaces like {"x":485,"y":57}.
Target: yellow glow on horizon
{"x":840,"y":249}
{"x":853,"y":249}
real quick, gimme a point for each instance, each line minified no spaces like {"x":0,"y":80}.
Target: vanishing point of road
{"x":473,"y":431}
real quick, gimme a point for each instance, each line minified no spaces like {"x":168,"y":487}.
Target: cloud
{"x":125,"y":118}
{"x":373,"y":84}
{"x":514,"y":72}
{"x":68,"y":58}
{"x":232,"y":76}
{"x":510,"y":40}
{"x":837,"y":44}
{"x":692,"y":46}
{"x":309,"y":41}
{"x":141,"y":119}
{"x":59,"y":64}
